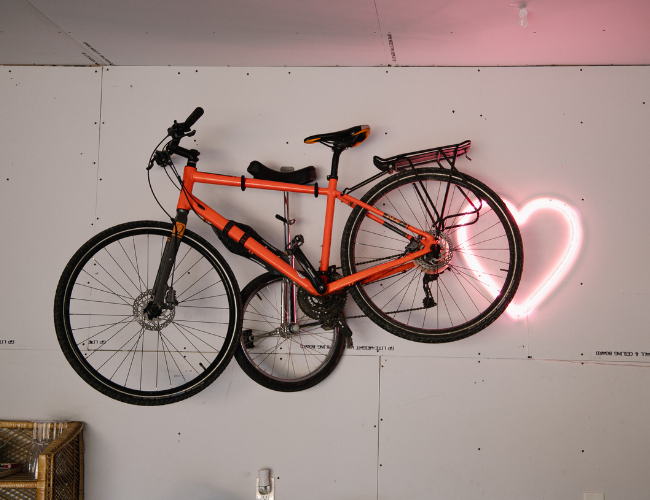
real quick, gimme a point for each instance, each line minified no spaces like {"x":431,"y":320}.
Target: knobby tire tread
{"x":261,"y":378}
{"x":413,"y":333}
{"x":64,"y":337}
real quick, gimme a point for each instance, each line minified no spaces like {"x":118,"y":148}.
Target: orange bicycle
{"x":150,"y":313}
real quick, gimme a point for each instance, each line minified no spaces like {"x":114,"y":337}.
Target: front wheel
{"x":280,"y":356}
{"x":460,"y":287}
{"x":110,"y":340}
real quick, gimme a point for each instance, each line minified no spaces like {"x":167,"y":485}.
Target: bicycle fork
{"x":163,"y":297}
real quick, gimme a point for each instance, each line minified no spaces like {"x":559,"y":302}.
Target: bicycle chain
{"x":380,"y":258}
{"x":391,"y":312}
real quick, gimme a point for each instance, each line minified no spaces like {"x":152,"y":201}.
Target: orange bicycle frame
{"x":187,"y":201}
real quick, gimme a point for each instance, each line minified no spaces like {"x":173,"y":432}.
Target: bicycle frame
{"x":187,"y":201}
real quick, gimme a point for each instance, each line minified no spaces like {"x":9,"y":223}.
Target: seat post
{"x":334,"y":174}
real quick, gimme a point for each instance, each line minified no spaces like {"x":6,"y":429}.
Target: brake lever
{"x":176,"y":131}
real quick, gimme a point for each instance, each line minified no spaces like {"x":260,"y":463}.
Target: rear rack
{"x":449,"y":153}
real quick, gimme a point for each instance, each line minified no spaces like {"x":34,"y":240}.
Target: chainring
{"x":323,"y":309}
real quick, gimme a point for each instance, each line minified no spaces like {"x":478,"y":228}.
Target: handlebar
{"x":177,"y":131}
{"x":192,"y":119}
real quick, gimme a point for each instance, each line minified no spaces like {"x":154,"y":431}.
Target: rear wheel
{"x":277,"y":355}
{"x":109,"y":339}
{"x":452,"y":292}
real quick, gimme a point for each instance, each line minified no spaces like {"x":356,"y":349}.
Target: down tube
{"x":218,"y":221}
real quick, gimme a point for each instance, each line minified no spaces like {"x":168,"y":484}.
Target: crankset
{"x":325,"y":309}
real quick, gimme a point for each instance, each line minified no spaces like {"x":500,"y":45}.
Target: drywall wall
{"x":554,"y":398}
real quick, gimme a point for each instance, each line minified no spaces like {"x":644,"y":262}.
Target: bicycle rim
{"x":470,"y":288}
{"x":109,"y":339}
{"x":271,"y":354}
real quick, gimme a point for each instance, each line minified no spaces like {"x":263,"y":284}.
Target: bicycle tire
{"x":259,"y":351}
{"x":475,"y":272}
{"x":108,"y":339}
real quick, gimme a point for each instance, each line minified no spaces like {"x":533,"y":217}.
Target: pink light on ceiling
{"x":521,"y":307}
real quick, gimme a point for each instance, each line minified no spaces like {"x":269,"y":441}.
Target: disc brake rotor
{"x":154,"y":324}
{"x":439,"y":258}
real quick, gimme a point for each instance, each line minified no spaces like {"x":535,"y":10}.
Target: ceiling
{"x":324,"y":33}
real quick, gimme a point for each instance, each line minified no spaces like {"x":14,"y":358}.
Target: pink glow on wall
{"x":520,"y":307}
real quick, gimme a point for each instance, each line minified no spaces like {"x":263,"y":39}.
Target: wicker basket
{"x":60,"y":465}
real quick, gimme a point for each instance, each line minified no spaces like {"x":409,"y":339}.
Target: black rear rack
{"x":448,"y":153}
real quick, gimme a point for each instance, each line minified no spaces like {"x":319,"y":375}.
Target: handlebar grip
{"x":192,"y":119}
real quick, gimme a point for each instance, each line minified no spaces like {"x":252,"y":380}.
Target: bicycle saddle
{"x":302,"y":176}
{"x":347,"y":138}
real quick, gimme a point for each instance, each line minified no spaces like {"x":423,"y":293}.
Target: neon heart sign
{"x":521,"y":308}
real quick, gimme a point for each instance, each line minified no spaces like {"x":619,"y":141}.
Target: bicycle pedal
{"x":285,"y":221}
{"x":295,"y":244}
{"x":346,"y":331}
{"x":248,"y":338}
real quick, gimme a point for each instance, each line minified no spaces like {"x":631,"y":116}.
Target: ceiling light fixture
{"x":523,"y":14}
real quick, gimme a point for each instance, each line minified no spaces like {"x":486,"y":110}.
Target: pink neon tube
{"x":521,"y":307}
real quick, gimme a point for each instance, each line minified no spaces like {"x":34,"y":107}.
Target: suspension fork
{"x":155,"y":308}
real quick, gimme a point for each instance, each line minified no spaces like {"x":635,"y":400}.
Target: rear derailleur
{"x":427,"y":301}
